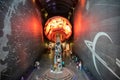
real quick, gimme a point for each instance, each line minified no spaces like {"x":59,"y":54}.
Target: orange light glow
{"x":58,"y":25}
{"x":77,"y":24}
{"x":81,"y":24}
{"x":33,"y":1}
{"x":36,"y":25}
{"x":82,"y":3}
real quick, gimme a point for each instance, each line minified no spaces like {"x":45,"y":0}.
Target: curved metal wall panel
{"x":98,"y":41}
{"x":21,"y":37}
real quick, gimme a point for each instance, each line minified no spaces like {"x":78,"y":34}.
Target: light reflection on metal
{"x":58,"y":25}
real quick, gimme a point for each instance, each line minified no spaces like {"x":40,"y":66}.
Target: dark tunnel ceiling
{"x":56,"y":7}
{"x":53,"y":8}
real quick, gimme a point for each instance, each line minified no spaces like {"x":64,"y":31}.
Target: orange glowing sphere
{"x":58,"y":26}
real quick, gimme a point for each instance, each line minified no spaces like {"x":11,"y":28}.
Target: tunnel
{"x":59,"y":39}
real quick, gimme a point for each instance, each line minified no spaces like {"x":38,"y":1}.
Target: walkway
{"x":45,"y":64}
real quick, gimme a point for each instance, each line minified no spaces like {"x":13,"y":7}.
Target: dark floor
{"x":47,"y":60}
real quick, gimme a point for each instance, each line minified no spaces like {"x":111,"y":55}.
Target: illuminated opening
{"x":58,"y":26}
